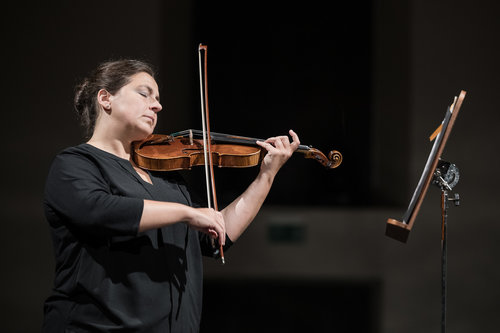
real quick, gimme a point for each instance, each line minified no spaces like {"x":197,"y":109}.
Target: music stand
{"x":443,"y":174}
{"x":401,"y":230}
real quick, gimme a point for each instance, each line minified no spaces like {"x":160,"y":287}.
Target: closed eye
{"x":147,"y":91}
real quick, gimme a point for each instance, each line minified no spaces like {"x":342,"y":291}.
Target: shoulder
{"x":77,"y":161}
{"x":76,"y":168}
{"x":73,"y":156}
{"x":85,"y":154}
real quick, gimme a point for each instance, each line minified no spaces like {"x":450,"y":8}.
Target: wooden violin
{"x":185,"y":149}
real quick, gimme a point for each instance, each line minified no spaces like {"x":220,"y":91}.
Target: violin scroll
{"x":333,"y":160}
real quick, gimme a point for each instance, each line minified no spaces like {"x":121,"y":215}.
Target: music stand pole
{"x":446,"y":177}
{"x":444,"y":209}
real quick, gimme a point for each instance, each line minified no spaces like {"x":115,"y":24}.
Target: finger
{"x":295,"y":139}
{"x":212,"y":233}
{"x":285,"y":139}
{"x":266,"y":145}
{"x":211,"y":224}
{"x":283,"y":143}
{"x":222,"y":225}
{"x":280,"y":143}
{"x":271,"y":139}
{"x":217,"y":228}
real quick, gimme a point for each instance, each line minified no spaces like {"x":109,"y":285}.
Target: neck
{"x":111,"y":143}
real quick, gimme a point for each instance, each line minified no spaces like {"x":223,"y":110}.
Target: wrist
{"x":267,"y":176}
{"x":189,"y":214}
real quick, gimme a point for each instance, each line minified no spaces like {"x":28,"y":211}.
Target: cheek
{"x":128,"y":109}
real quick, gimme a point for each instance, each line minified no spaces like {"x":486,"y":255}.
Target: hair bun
{"x":80,"y":95}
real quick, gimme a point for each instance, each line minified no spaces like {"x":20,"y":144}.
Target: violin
{"x":185,"y":149}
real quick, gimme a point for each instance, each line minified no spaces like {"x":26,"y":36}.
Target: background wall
{"x":422,"y":54}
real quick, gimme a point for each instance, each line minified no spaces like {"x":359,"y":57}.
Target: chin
{"x":142,"y":134}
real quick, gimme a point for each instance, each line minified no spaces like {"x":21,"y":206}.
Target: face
{"x":135,"y":106}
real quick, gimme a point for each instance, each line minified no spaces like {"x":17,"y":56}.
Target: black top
{"x":108,"y":276}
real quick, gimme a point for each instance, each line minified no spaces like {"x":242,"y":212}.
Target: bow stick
{"x":205,"y":123}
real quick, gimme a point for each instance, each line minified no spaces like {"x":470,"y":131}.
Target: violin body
{"x":167,"y":153}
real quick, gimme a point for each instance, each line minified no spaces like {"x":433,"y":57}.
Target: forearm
{"x":241,"y":212}
{"x":158,"y":214}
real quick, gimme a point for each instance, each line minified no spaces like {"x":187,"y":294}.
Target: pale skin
{"x":131,"y":114}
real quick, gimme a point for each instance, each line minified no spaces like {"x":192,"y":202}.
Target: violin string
{"x":231,"y":138}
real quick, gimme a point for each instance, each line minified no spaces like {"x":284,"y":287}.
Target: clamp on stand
{"x":446,"y":176}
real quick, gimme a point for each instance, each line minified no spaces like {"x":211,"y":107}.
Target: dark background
{"x":371,"y":79}
{"x":273,"y":67}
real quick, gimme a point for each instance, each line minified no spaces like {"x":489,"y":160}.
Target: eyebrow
{"x":150,"y":90}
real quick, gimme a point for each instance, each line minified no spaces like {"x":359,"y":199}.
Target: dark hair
{"x":110,"y":75}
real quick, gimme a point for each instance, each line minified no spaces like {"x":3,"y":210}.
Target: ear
{"x":104,"y":99}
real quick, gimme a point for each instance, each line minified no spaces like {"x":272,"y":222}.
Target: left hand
{"x":279,"y":149}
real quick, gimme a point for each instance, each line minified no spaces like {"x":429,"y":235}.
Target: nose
{"x":156,"y":106}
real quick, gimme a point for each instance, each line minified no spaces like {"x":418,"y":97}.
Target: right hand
{"x":209,"y":221}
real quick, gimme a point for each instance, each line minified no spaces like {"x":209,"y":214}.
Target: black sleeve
{"x":76,"y":193}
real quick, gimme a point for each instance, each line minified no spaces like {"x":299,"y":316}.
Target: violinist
{"x":128,"y":242}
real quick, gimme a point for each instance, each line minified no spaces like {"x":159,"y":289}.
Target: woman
{"x":128,"y":242}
